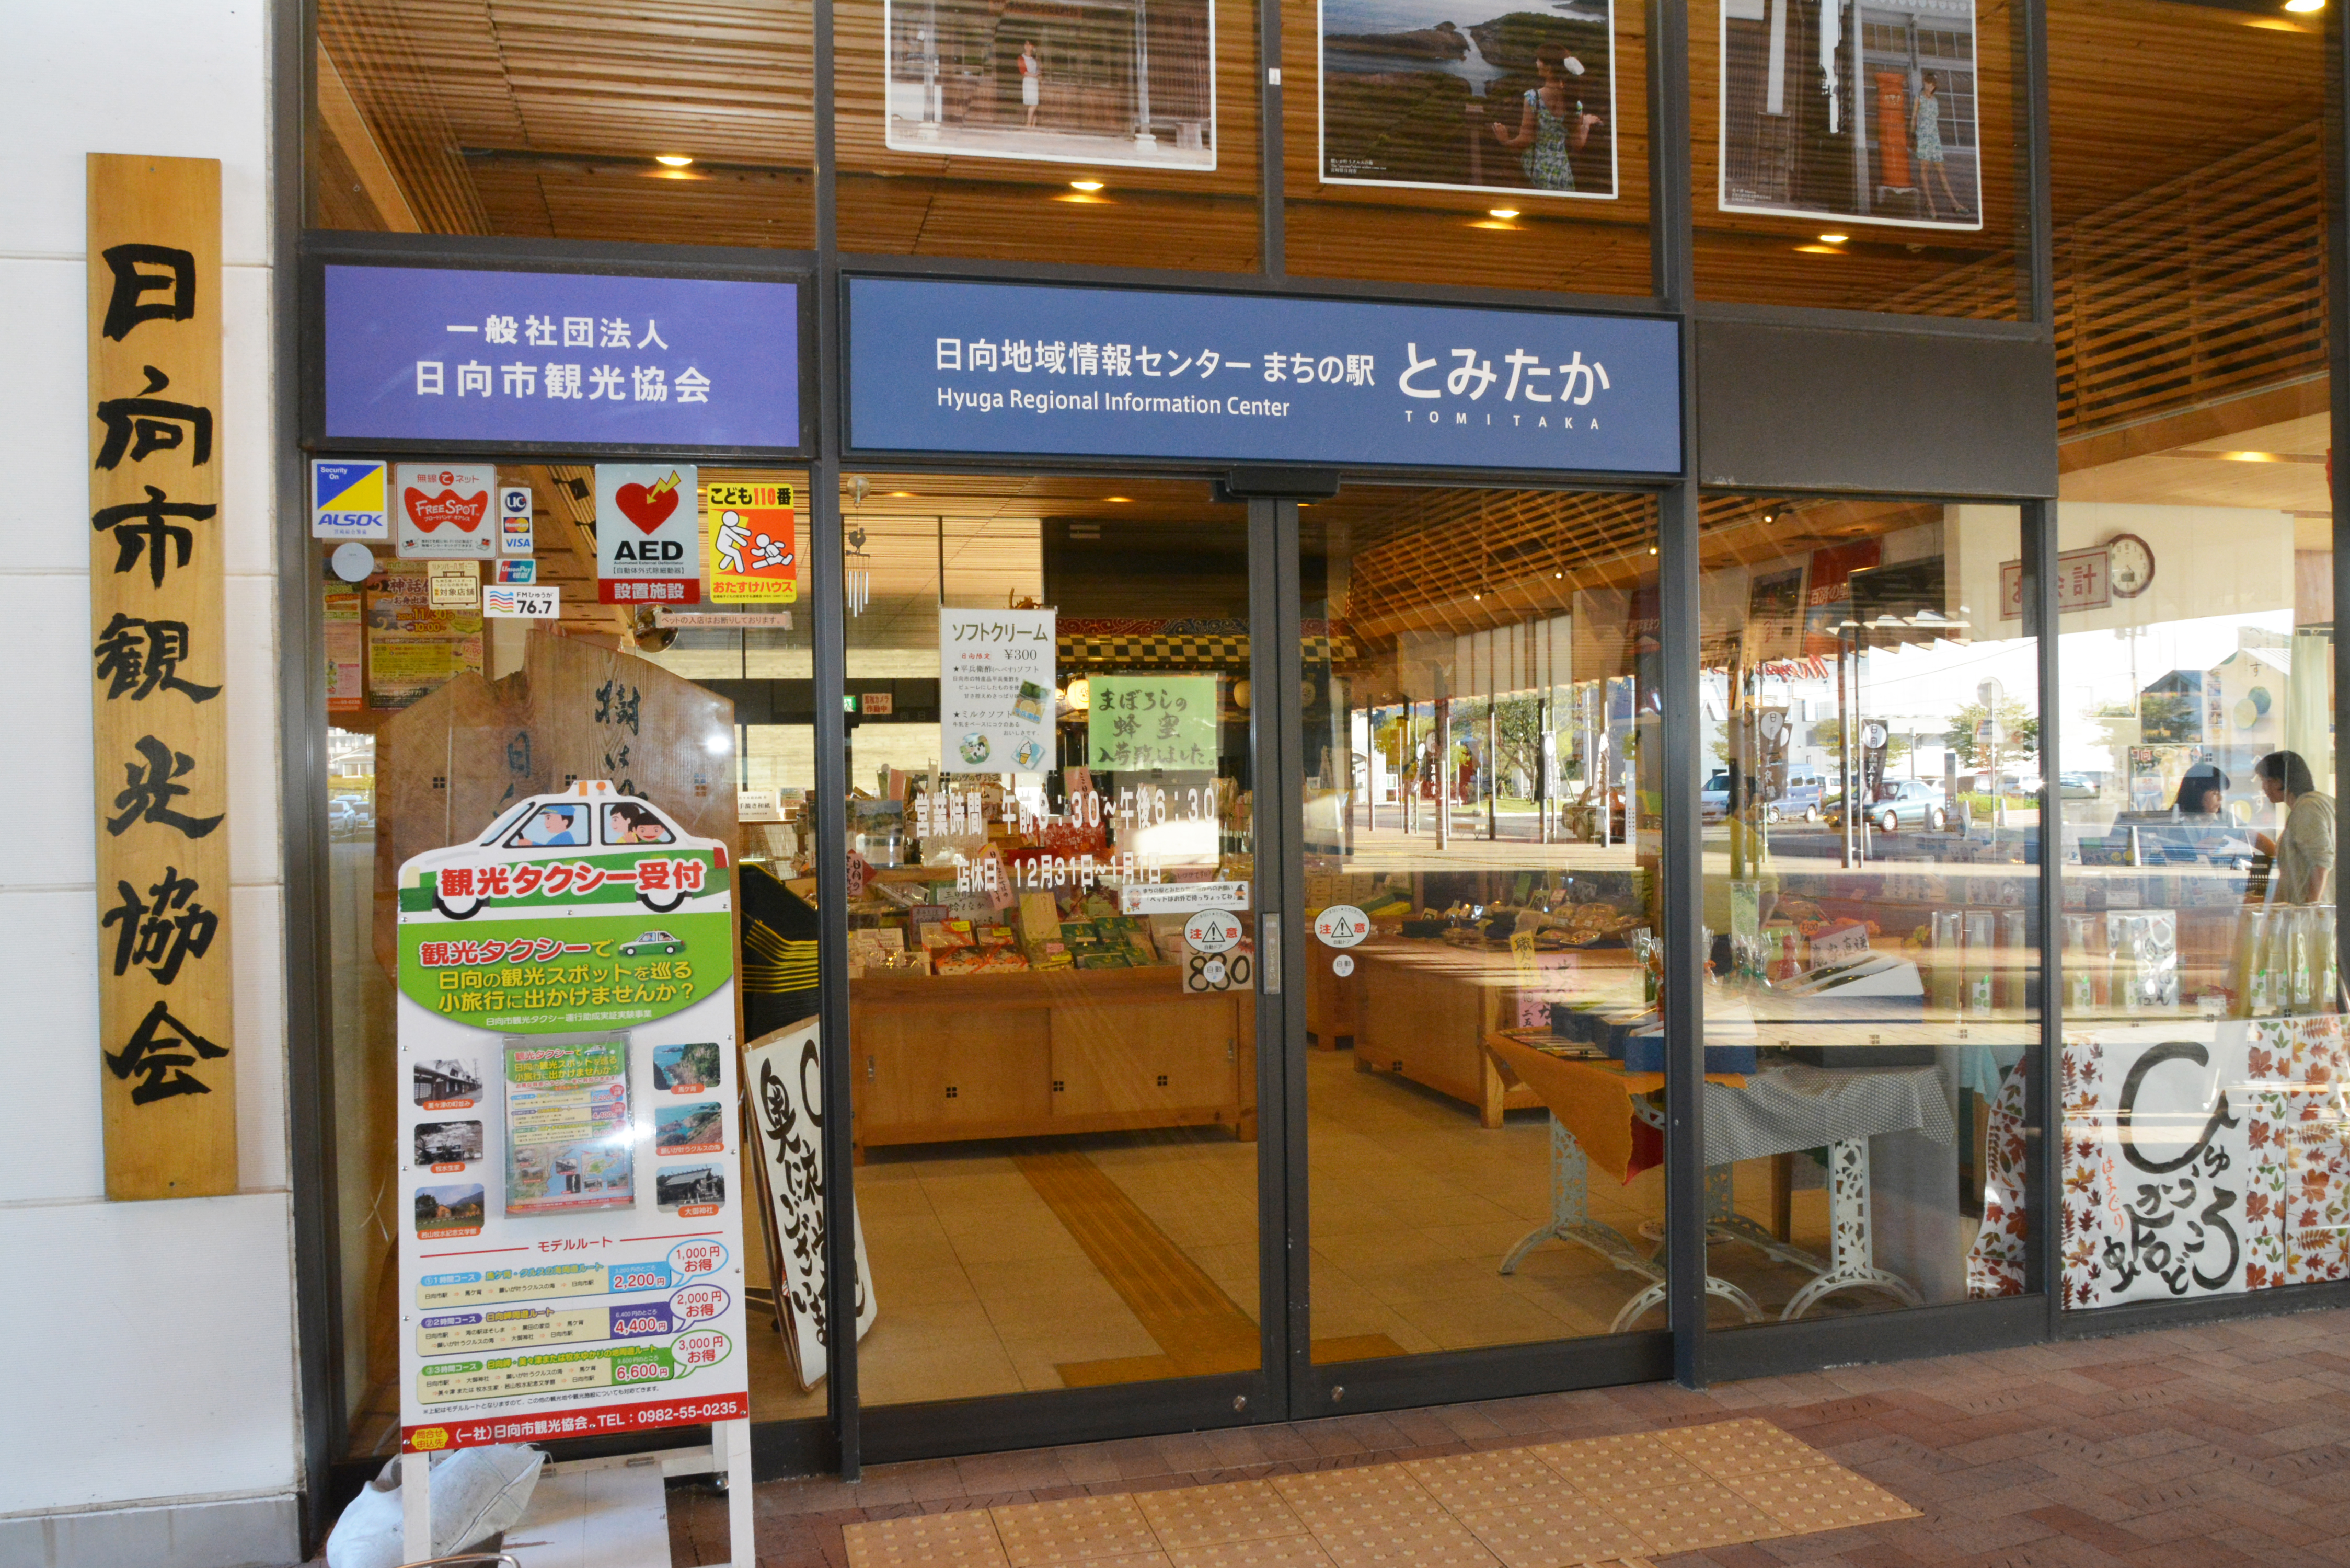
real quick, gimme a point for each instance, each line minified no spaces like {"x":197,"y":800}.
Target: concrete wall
{"x":152,"y":1414}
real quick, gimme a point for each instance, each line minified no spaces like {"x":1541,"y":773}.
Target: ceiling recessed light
{"x":2303,"y":7}
{"x":1121,"y":500}
{"x":1086,"y":185}
{"x":1821,"y":251}
{"x":1834,"y":239}
{"x":901,"y":496}
{"x":1505,"y":214}
{"x":674,"y":160}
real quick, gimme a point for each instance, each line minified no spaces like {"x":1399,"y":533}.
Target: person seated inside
{"x":2203,"y":791}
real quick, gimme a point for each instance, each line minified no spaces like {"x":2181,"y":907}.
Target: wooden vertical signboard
{"x":158,"y":684}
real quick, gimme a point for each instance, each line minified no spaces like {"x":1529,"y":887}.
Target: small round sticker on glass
{"x":1212,"y":931}
{"x":1343,"y":965}
{"x":1342,"y":925}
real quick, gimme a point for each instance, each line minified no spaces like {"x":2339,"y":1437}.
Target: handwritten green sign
{"x":1144,"y":722}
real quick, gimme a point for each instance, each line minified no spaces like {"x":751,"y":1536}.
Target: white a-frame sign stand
{"x":571,"y":1238}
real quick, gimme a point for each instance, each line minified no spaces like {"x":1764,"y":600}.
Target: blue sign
{"x":445,"y":355}
{"x":1103,"y":372}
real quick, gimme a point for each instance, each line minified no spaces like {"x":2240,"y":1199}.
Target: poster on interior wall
{"x":1827,"y":593}
{"x":995,"y":691}
{"x":1521,"y":102}
{"x":412,"y":645}
{"x":2199,"y":1160}
{"x":1863,"y":116}
{"x":783,"y":1074}
{"x":570,"y":1249}
{"x":1126,"y":82}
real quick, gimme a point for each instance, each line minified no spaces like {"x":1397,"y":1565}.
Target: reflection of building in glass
{"x":1791,"y":138}
{"x":1132,"y":72}
{"x":446,"y":1080}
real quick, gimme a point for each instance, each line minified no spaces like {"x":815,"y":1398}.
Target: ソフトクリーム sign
{"x":571,"y":1238}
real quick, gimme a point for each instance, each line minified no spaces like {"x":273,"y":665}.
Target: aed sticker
{"x":347,"y":501}
{"x":513,"y":520}
{"x":1342,"y":926}
{"x":1343,"y":965}
{"x":1212,"y":931}
{"x":521,"y":574}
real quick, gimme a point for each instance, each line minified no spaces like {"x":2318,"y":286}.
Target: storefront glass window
{"x":2202,"y":1137}
{"x":1483,"y":828}
{"x":1121,"y":135}
{"x":438,"y":719}
{"x":596,"y":121}
{"x":1855,"y":156}
{"x":1494,"y":149}
{"x":1872,"y":882}
{"x":1054,"y":1092}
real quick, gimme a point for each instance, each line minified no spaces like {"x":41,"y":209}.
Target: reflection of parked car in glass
{"x":2077,"y":786}
{"x":1806,"y":795}
{"x":1911,"y":802}
{"x":652,"y":942}
{"x":1713,"y":801}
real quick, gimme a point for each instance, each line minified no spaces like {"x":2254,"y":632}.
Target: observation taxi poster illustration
{"x":570,"y":1249}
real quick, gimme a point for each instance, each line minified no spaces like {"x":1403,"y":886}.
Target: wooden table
{"x":1422,"y":1009}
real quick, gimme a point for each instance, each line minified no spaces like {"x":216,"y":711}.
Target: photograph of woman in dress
{"x":1552,"y":122}
{"x":1927,"y":137}
{"x":1504,"y":100}
{"x":1031,"y":76}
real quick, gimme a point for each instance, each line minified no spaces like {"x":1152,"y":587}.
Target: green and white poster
{"x":1144,"y":723}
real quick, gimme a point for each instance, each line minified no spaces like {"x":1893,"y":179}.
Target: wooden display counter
{"x":1329,"y":1002}
{"x":1422,"y":1010}
{"x":947,"y":1058}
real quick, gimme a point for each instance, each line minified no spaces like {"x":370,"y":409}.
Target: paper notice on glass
{"x":995,"y":691}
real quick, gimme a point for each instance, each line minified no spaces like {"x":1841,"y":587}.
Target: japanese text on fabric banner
{"x":1145,"y":721}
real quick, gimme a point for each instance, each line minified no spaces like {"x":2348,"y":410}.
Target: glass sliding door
{"x":1054,"y":1091}
{"x":1482,"y":812}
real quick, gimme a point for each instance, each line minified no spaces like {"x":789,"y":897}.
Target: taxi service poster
{"x":570,"y":1247}
{"x":753,"y":547}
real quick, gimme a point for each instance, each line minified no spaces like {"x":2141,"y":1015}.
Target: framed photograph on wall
{"x":1861,"y":112}
{"x":1054,"y":81}
{"x":1521,"y":102}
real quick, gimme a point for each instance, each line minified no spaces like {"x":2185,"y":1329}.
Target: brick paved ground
{"x":2195,"y":1448}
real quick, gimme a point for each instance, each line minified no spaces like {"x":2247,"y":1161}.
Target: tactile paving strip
{"x":1217,"y":1515}
{"x":1072,"y":1530}
{"x":1608,"y":1502}
{"x":960,"y":1540}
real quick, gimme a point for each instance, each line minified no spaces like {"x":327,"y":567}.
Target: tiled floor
{"x":983,"y":1288}
{"x":2198,"y":1448}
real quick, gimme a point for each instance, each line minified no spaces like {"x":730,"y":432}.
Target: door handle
{"x":1268,"y":951}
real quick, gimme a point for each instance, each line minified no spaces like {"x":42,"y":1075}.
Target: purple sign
{"x":438,"y":354}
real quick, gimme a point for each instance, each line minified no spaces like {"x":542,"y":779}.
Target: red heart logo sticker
{"x":462,"y":513}
{"x":648,"y":509}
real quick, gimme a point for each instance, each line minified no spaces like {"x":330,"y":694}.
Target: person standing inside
{"x":2304,"y":848}
{"x":1032,"y":75}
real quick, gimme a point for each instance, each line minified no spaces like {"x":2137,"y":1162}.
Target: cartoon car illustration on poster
{"x":537,"y":923}
{"x":652,"y":942}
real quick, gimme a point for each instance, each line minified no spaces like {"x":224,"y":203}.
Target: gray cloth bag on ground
{"x":477,"y":1493}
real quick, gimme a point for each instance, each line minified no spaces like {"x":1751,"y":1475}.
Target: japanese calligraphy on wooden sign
{"x":158,"y":686}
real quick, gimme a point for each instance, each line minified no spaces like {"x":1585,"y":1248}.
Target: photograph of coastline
{"x":1864,"y":114}
{"x":1055,"y":81}
{"x":1501,"y":99}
